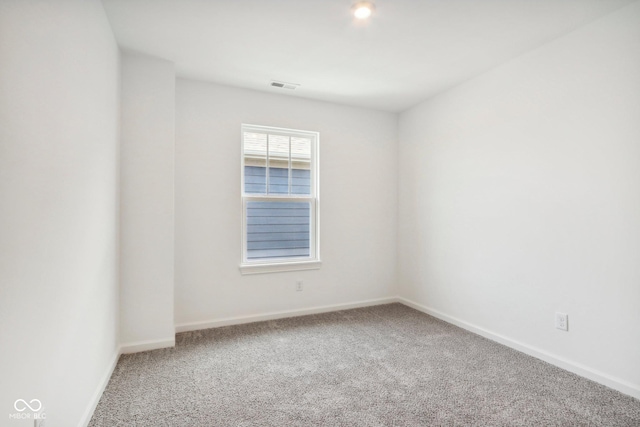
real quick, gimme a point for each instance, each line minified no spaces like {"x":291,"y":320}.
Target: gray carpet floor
{"x":387,"y":365}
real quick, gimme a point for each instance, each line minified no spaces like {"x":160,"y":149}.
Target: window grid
{"x":278,"y":240}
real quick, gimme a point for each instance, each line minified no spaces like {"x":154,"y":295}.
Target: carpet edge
{"x":238,"y":320}
{"x":102,"y":385}
{"x":607,"y":380}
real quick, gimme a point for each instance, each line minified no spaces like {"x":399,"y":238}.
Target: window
{"x":279,"y":200}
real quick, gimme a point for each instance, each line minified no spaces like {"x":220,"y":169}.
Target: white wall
{"x":520,"y":197}
{"x":59,"y":86}
{"x":358,"y":178}
{"x":146,"y":213}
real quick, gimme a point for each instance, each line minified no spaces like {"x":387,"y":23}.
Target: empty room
{"x":319,"y":213}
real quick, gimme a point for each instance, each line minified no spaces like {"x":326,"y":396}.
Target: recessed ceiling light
{"x":363,"y":9}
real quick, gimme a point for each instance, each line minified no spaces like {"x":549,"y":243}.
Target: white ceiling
{"x":408,"y":51}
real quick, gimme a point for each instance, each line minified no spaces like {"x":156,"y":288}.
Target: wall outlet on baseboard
{"x":562,"y":321}
{"x":299,"y":285}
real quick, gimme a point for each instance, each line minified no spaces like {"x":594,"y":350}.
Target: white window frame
{"x":312,"y":262}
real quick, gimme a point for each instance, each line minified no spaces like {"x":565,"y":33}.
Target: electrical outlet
{"x":562,"y":321}
{"x":299,"y":285}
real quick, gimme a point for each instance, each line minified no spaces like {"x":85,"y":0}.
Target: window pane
{"x":278,"y":180}
{"x":300,"y":166}
{"x":278,"y":164}
{"x":278,"y":230}
{"x":255,"y":162}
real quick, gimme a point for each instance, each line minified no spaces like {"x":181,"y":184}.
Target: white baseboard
{"x":122,"y":349}
{"x":577,"y":368}
{"x":136,"y":347}
{"x":102,"y":385}
{"x":207,"y":324}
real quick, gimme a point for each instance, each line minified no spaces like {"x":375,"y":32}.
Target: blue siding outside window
{"x":277,"y":229}
{"x":255,"y":180}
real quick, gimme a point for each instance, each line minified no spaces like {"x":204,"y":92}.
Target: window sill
{"x":279,"y":267}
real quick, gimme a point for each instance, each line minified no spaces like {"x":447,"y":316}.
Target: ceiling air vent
{"x":283,"y":85}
